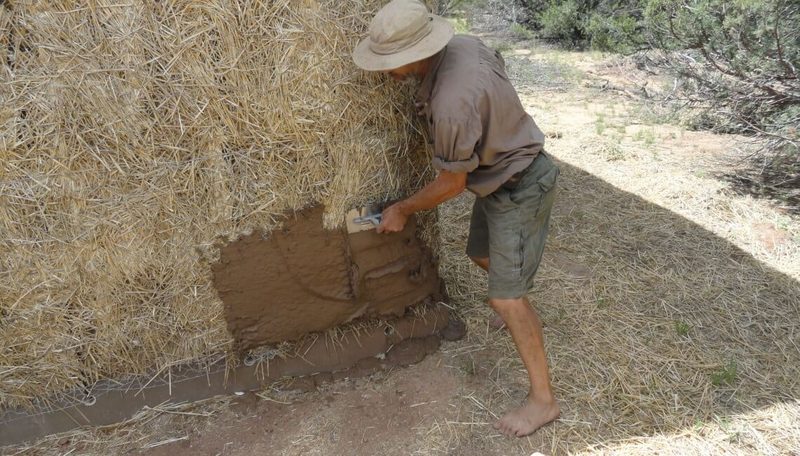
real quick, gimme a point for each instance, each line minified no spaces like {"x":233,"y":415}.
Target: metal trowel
{"x":364,"y":219}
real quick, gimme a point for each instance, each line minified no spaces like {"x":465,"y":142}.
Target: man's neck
{"x":425,"y":66}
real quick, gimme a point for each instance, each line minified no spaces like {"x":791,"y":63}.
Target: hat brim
{"x":441,"y":33}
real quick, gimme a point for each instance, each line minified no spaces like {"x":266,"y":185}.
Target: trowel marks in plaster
{"x":303,"y":278}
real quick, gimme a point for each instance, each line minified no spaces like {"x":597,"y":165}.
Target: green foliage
{"x":737,"y":59}
{"x":503,"y":47}
{"x":521,"y":31}
{"x":460,"y":24}
{"x":647,"y":136}
{"x":447,"y":7}
{"x":562,"y":21}
{"x":788,"y":121}
{"x":534,"y":7}
{"x":742,"y":36}
{"x":614,"y":33}
{"x":726,"y":375}
{"x":600,"y":124}
{"x":682,"y":328}
{"x":608,"y":25}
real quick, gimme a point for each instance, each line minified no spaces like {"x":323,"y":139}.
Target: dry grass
{"x":133,"y":136}
{"x":670,"y":327}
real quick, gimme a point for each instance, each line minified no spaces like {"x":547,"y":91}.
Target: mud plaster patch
{"x":304,"y":278}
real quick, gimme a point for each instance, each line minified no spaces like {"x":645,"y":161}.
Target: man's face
{"x":402,"y":73}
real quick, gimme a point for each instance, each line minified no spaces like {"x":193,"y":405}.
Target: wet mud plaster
{"x":303,"y":278}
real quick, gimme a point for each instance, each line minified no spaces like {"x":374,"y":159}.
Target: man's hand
{"x":446,"y":185}
{"x":393,"y":220}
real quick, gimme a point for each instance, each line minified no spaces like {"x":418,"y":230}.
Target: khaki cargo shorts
{"x":510,"y":226}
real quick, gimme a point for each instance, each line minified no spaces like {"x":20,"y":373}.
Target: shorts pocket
{"x":548,"y":181}
{"x":533,"y":192}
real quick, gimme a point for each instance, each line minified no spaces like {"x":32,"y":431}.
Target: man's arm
{"x":447,"y":185}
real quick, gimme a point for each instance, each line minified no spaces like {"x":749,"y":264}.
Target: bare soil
{"x":384,"y":414}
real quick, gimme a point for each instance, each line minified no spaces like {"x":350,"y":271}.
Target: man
{"x":484,"y":142}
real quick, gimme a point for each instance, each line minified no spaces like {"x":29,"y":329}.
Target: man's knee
{"x":483,"y":262}
{"x":502,"y":306}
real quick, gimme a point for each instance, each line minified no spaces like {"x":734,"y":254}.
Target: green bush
{"x":739,"y":58}
{"x":614,"y":33}
{"x":610,"y":25}
{"x":562,"y":21}
{"x":534,"y":8}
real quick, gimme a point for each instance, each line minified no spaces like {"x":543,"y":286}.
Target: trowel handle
{"x":374,"y":219}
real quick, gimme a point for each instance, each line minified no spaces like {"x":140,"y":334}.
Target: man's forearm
{"x":447,"y":185}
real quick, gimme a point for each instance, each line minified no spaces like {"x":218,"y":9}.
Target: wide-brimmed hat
{"x":402,"y":32}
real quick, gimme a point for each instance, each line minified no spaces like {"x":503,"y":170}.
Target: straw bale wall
{"x":134,"y":135}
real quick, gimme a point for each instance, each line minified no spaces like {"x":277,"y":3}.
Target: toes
{"x":502,"y":427}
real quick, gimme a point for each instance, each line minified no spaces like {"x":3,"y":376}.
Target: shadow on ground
{"x":654,"y":325}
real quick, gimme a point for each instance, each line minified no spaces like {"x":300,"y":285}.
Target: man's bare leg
{"x":540,"y":406}
{"x":496,"y":322}
{"x":482,"y":262}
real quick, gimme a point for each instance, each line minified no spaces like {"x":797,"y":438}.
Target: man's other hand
{"x":393,"y":220}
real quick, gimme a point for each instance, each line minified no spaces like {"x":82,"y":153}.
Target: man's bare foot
{"x":528,"y":418}
{"x":497,"y":322}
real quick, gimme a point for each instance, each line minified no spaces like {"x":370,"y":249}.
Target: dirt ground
{"x":671,"y":308}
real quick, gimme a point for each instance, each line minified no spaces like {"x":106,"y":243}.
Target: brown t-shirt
{"x":474,"y":116}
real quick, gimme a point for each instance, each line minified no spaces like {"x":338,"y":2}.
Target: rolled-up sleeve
{"x":454,"y":144}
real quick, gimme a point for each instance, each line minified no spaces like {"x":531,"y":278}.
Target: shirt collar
{"x":426,"y":87}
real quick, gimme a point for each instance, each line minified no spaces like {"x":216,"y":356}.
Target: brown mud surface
{"x":304,"y":278}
